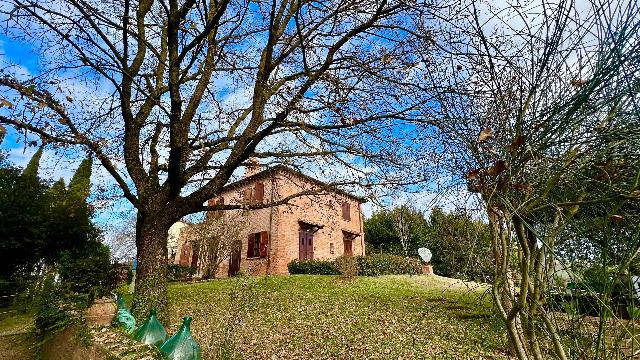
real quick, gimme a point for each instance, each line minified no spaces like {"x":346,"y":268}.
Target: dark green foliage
{"x":370,"y":265}
{"x":56,"y":308}
{"x":38,"y":222}
{"x":31,"y":171}
{"x":347,"y":266}
{"x":461,"y":246}
{"x":176,"y":272}
{"x":88,"y":269}
{"x":43,"y":228}
{"x":80,"y":183}
{"x":23,"y":208}
{"x":386,"y":264}
{"x":382,"y":236}
{"x":604,"y":289}
{"x":313,"y":267}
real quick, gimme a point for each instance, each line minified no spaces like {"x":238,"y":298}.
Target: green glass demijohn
{"x":182,"y":345}
{"x":151,"y":332}
{"x":125,"y":319}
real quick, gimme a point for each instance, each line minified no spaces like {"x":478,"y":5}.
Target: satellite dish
{"x":425,"y":254}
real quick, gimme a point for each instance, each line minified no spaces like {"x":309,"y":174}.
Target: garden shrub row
{"x":370,"y":265}
{"x":313,"y":267}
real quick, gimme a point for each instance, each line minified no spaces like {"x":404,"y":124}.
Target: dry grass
{"x":17,"y":341}
{"x":324,"y":317}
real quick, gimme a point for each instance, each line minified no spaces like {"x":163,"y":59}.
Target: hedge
{"x":313,"y":267}
{"x":370,"y":265}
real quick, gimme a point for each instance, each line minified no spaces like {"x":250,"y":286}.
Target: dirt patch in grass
{"x":17,"y":341}
{"x":324,"y":317}
{"x":18,"y":347}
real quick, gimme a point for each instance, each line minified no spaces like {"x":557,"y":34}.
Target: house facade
{"x":323,"y":223}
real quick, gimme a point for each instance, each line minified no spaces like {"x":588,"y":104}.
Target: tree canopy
{"x":175,"y":96}
{"x":461,"y":246}
{"x":40,"y":221}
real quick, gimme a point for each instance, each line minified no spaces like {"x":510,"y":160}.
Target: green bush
{"x":88,"y":270}
{"x":313,"y":267}
{"x":177,"y":272}
{"x":385,"y":264}
{"x":370,"y":265}
{"x":56,"y":308}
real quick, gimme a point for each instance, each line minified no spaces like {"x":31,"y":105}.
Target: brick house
{"x":323,"y":225}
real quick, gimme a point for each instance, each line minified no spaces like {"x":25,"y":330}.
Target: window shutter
{"x":258,"y":192}
{"x":346,"y":211}
{"x":247,"y":194}
{"x":250,"y":243}
{"x":264,"y":243}
{"x":221,"y":201}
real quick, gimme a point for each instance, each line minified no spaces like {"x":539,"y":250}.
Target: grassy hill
{"x":325,"y":317}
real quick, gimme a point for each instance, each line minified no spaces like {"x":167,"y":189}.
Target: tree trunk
{"x":151,"y":274}
{"x":504,"y":289}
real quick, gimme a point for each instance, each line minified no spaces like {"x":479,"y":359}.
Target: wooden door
{"x":234,"y":262}
{"x":348,"y":247}
{"x":184,"y":254}
{"x":306,"y":245}
{"x":195,"y":254}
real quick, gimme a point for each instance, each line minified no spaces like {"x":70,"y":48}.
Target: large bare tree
{"x":172,"y":96}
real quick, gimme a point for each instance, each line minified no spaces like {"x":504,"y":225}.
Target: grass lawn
{"x":324,"y":317}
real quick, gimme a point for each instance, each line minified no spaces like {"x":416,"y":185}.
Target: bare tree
{"x":172,"y":96}
{"x":536,"y":104}
{"x":122,"y":239}
{"x":216,"y":237}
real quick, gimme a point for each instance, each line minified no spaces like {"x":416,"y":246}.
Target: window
{"x":332,"y":248}
{"x":254,"y":194}
{"x":257,"y":244}
{"x":346,"y":211}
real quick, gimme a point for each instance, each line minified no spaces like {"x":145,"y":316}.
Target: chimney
{"x":252,"y":167}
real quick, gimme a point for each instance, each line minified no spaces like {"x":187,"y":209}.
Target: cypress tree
{"x":57,"y":190}
{"x":81,"y":181}
{"x":31,"y":171}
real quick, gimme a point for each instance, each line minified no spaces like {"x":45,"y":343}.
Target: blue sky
{"x":54,"y":167}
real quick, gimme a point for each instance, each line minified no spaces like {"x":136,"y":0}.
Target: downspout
{"x":270,"y":225}
{"x":361,"y":227}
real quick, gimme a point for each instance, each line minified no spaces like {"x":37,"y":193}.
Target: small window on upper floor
{"x":254,"y":194}
{"x":346,"y":211}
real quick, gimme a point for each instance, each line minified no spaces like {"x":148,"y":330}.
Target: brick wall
{"x":283,"y":222}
